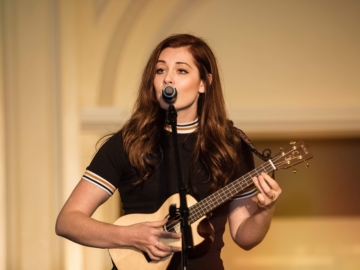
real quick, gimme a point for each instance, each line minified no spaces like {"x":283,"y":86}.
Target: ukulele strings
{"x":267,"y":166}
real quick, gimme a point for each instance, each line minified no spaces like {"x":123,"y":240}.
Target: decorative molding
{"x":114,"y":51}
{"x":299,"y":123}
{"x":103,"y":118}
{"x":257,"y":123}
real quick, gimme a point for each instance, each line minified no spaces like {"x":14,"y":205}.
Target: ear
{"x":203,"y":84}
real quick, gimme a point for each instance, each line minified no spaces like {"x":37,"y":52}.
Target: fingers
{"x":162,"y":233}
{"x":160,"y":250}
{"x":268,"y":188}
{"x":169,"y":249}
{"x":156,"y":223}
{"x":154,"y":246}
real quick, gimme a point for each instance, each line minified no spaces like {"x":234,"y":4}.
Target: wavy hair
{"x":216,"y":143}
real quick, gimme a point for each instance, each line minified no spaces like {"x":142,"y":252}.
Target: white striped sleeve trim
{"x":99,"y":181}
{"x":244,"y":195}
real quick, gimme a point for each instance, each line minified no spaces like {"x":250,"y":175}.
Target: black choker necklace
{"x":185,"y":128}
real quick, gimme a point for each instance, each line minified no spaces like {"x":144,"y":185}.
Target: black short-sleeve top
{"x":110,"y":169}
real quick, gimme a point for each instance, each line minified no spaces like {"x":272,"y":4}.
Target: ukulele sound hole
{"x":173,"y":224}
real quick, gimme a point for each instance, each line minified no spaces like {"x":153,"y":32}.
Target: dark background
{"x":329,"y":187}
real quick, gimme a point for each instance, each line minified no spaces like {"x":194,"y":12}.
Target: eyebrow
{"x":178,"y":63}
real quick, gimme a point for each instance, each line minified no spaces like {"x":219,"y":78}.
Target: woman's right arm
{"x":75,"y":223}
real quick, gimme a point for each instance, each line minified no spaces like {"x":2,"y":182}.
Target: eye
{"x":160,"y":71}
{"x":183,"y":71}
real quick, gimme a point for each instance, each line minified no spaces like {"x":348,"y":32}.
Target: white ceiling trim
{"x":257,"y":123}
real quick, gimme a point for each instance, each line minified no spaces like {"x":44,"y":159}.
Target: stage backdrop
{"x":69,"y":72}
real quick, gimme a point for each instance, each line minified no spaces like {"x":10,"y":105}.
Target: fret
{"x":226,"y":193}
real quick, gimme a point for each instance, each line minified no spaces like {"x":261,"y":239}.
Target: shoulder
{"x":109,"y":164}
{"x":111,"y":142}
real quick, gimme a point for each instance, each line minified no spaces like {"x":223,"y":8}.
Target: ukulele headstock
{"x":294,"y":154}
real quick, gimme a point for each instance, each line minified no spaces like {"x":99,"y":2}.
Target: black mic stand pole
{"x":187,"y":240}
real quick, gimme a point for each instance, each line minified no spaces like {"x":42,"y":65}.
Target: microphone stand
{"x":187,"y":240}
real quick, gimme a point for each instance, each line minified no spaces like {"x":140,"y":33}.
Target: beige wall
{"x":69,"y":71}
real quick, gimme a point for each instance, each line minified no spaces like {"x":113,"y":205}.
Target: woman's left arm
{"x":250,"y":218}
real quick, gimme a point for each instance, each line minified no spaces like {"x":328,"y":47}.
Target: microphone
{"x":169,"y":94}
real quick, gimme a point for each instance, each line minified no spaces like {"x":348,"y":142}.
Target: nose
{"x":168,"y":79}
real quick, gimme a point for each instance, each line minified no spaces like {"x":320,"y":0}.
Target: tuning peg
{"x":293,"y":143}
{"x":294,"y":170}
{"x":306,"y":164}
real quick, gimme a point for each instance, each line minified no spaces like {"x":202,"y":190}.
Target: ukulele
{"x":129,"y":258}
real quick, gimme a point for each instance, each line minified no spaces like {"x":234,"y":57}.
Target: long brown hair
{"x":216,"y":140}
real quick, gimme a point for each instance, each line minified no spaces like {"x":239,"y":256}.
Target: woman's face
{"x":176,"y":67}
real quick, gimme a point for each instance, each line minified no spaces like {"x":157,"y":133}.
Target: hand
{"x":146,"y":237}
{"x":269,"y":190}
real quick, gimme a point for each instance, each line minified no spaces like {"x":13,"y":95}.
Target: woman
{"x":138,"y":160}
